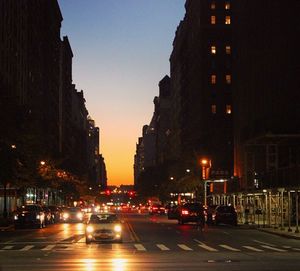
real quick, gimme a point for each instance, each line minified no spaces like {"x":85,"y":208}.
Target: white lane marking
{"x":184,"y":247}
{"x":296,"y":249}
{"x":82,"y":240}
{"x":69,"y":248}
{"x":253,"y":248}
{"x":264,"y":243}
{"x":26,"y":248}
{"x":274,"y":248}
{"x":8,"y":247}
{"x":208,"y":247}
{"x":162,"y":247}
{"x":140,"y":247}
{"x":286,"y":246}
{"x":49,"y":247}
{"x":229,"y":248}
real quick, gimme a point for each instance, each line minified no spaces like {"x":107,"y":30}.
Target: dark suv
{"x":226,"y":214}
{"x":191,"y":212}
{"x":29,"y":215}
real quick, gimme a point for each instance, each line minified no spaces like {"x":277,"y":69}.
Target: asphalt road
{"x":150,"y":243}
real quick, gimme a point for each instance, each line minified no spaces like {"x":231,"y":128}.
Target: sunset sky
{"x":121,"y":51}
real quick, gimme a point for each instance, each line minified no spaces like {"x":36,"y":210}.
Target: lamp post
{"x":206,"y":165}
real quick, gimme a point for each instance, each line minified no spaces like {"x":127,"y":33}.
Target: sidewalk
{"x":5,"y":224}
{"x":282,"y":232}
{"x":276,"y":231}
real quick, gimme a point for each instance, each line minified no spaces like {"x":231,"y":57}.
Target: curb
{"x":282,"y":234}
{"x":6,"y":228}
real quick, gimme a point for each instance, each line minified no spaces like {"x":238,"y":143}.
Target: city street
{"x":149,"y":243}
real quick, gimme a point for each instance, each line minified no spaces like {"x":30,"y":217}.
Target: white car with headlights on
{"x":72,"y":214}
{"x":103,"y":227}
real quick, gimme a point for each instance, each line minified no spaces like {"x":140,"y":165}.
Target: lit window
{"x":213,"y":50}
{"x":213,"y":5}
{"x":213,"y":79}
{"x":228,"y":49}
{"x":228,"y":78}
{"x":214,"y":109}
{"x":228,"y":109}
{"x":227,"y":5}
{"x":227,"y":20}
{"x":213,"y":19}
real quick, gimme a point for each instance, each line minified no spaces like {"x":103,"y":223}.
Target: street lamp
{"x":43,"y":163}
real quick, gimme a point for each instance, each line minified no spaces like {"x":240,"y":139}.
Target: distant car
{"x":73,"y":214}
{"x":191,"y":212}
{"x":103,"y":227}
{"x":56,"y":213}
{"x":49,"y":219}
{"x":29,"y":215}
{"x":156,"y":209}
{"x":226,"y":215}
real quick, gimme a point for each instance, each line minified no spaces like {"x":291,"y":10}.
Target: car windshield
{"x":226,"y":209}
{"x":73,"y":210}
{"x":103,"y":219}
{"x":28,"y":208}
{"x":193,"y":206}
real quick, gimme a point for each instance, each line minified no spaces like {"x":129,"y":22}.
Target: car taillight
{"x":184,"y":212}
{"x":154,"y":208}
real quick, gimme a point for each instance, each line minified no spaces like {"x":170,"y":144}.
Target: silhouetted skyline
{"x":121,"y":51}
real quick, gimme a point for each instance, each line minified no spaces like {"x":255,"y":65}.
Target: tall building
{"x":201,"y":88}
{"x":266,"y":93}
{"x":29,"y":73}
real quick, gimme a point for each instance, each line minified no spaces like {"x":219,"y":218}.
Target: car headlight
{"x":89,"y":229}
{"x":16,"y":217}
{"x":65,"y":215}
{"x":118,"y":228}
{"x":79,"y":215}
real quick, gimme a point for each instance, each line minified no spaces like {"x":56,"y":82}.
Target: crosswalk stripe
{"x":184,"y":247}
{"x":274,"y":248}
{"x":8,"y":247}
{"x":26,"y":248}
{"x":82,"y":240}
{"x":140,"y":247}
{"x":49,"y":247}
{"x":296,"y":249}
{"x":162,"y":247}
{"x":253,"y":248}
{"x":208,"y":247}
{"x":229,"y":248}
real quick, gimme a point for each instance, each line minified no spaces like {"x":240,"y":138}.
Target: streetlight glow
{"x":42,"y":163}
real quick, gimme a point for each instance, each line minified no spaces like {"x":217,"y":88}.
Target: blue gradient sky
{"x":121,"y":51}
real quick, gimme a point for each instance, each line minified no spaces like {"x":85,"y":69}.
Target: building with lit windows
{"x":266,"y":93}
{"x":201,"y":66}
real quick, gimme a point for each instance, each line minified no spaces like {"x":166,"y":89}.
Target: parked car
{"x":73,"y":214}
{"x":103,"y":227}
{"x":29,"y":215}
{"x":226,"y":214}
{"x":191,"y":212}
{"x":156,"y":209}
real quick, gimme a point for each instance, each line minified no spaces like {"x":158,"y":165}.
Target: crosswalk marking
{"x":140,"y":247}
{"x":208,"y":247}
{"x":8,"y":247}
{"x":229,"y":248}
{"x":162,"y":247}
{"x":184,"y":247}
{"x":253,"y":248}
{"x":82,"y":240}
{"x":49,"y":247}
{"x":26,"y":248}
{"x":274,"y":248}
{"x":296,"y":249}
